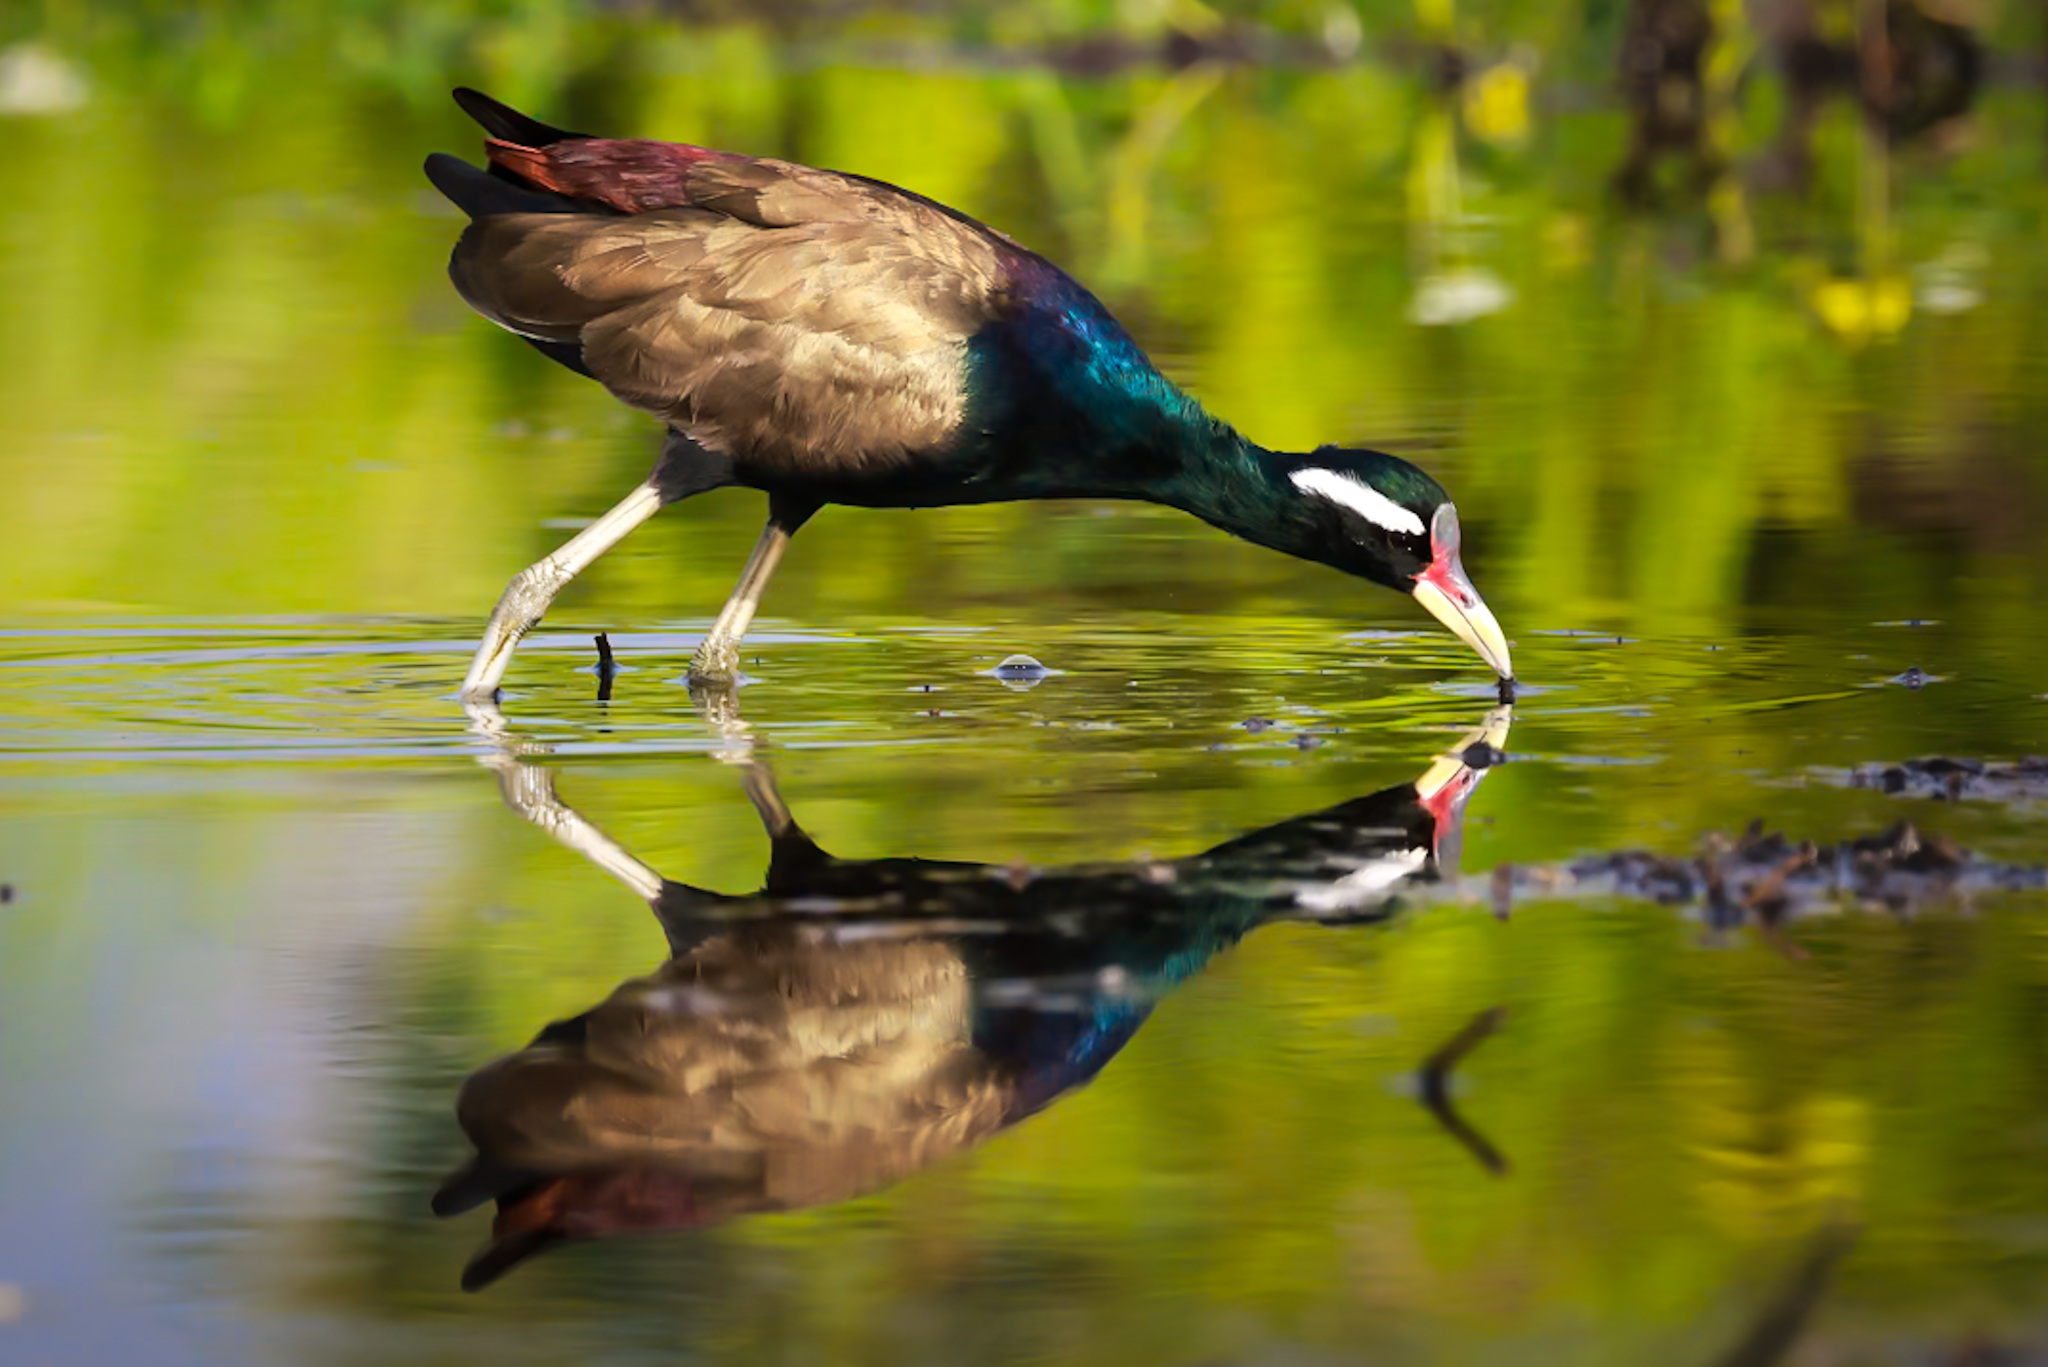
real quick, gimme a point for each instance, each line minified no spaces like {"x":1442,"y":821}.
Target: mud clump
{"x":1950,"y":780}
{"x":1765,"y":875}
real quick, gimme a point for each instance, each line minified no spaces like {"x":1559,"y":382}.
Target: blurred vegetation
{"x":1738,"y":359}
{"x":231,"y":272}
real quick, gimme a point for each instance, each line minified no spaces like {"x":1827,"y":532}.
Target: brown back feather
{"x":798,"y":319}
{"x":765,"y":1070}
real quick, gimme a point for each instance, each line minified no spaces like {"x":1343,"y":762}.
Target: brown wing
{"x":797,"y":318}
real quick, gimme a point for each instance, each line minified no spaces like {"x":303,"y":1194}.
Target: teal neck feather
{"x":1189,"y":460}
{"x":1153,"y":441}
{"x":1069,"y":405}
{"x":1201,"y":465}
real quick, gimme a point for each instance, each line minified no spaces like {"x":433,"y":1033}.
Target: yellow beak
{"x":1452,"y":600}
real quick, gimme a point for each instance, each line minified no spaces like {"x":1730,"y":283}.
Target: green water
{"x":1726,"y":473}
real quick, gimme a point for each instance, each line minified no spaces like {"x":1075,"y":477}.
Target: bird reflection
{"x":857,"y":1020}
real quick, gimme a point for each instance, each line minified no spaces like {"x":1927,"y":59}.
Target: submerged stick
{"x":1503,"y":891}
{"x":1783,"y":1319}
{"x":1435,"y":1087}
{"x":607,"y":667}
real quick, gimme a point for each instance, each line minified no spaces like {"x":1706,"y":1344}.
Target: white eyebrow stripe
{"x":1368,"y":502}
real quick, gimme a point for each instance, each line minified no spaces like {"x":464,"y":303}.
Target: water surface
{"x":269,"y":905}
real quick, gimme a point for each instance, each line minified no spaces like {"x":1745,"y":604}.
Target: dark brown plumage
{"x":799,"y":320}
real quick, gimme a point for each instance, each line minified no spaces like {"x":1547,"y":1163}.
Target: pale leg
{"x":529,"y":790}
{"x":720,"y":705}
{"x":531,"y":591}
{"x":717,"y":661}
{"x":767,"y":800}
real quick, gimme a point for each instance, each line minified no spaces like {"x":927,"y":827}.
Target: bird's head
{"x":1378,"y":517}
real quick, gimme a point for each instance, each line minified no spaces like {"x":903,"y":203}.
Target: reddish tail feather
{"x":632,"y":175}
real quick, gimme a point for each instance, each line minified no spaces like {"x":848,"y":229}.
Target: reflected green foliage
{"x":1683,"y":1120}
{"x":271,"y":913}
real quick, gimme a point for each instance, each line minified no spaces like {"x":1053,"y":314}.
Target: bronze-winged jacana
{"x":826,"y":338}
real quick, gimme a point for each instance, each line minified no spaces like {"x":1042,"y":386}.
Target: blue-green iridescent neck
{"x":1059,"y":1050}
{"x":1062,"y":403}
{"x":1074,"y":408}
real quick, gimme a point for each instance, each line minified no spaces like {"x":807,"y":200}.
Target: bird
{"x":827,"y":338}
{"x":857,"y":1020}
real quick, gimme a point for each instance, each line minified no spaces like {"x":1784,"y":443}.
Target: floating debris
{"x":1021,"y":671}
{"x":1771,"y":878}
{"x":1950,"y":780}
{"x":35,"y":80}
{"x":1257,"y":724}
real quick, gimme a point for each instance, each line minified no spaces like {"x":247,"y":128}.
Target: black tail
{"x":480,"y":1180}
{"x":503,"y":121}
{"x":480,"y":194}
{"x":501,"y":1255}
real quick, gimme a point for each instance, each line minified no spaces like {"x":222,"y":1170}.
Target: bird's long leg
{"x":717,"y":661}
{"x":767,"y":800}
{"x":533,"y":588}
{"x":529,"y":789}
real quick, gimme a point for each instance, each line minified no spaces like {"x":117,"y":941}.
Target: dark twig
{"x":1721,"y":914}
{"x":1783,"y":1320}
{"x":1435,"y":1084}
{"x":607,"y":667}
{"x":1979,"y":1351}
{"x":1767,"y":900}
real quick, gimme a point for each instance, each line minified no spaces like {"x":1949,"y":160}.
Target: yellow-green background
{"x":261,"y":473}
